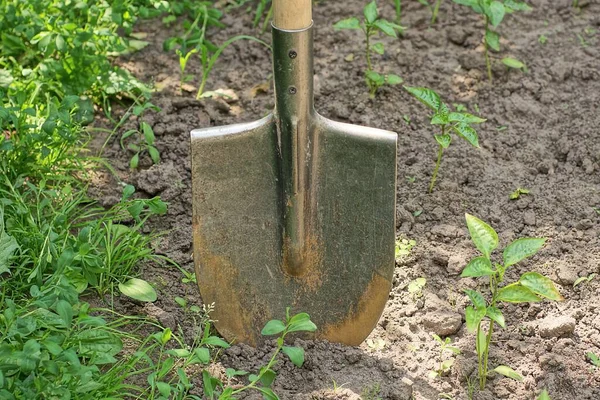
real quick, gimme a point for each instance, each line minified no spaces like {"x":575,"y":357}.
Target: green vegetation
{"x":493,"y":12}
{"x":445,"y":364}
{"x":594,"y":359}
{"x":434,"y":6}
{"x":448,"y":121}
{"x":531,"y":287}
{"x":518,"y":193}
{"x":371,"y":25}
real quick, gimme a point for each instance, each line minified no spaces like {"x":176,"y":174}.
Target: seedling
{"x":434,"y":7}
{"x":263,"y":380}
{"x":371,"y":25}
{"x":584,"y":279}
{"x":145,"y":144}
{"x":531,"y":287}
{"x":415,"y":287}
{"x":403,"y":247}
{"x":445,"y":365}
{"x":542,"y":39}
{"x":371,"y":392}
{"x":493,"y":12}
{"x":594,"y":359}
{"x":515,"y":64}
{"x":517,"y":193}
{"x":183,"y":60}
{"x":457,"y":122}
{"x":398,"y":6}
{"x":544,"y":395}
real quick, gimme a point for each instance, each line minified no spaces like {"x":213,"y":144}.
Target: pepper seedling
{"x":371,"y":25}
{"x":493,"y":12}
{"x":448,"y":121}
{"x":531,"y":287}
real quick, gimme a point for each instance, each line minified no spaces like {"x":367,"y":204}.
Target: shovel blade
{"x":238,"y":229}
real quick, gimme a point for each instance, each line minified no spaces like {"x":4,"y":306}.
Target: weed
{"x":514,"y":64}
{"x":493,"y":12}
{"x":416,"y":213}
{"x":144,"y":144}
{"x":403,"y":247}
{"x":411,"y":179}
{"x":457,"y":122}
{"x":415,"y":288}
{"x":518,"y":193}
{"x":584,"y":279}
{"x":371,"y":25}
{"x":594,"y":359}
{"x":530,"y":287}
{"x":544,"y":395}
{"x":434,"y":7}
{"x":444,"y":365}
{"x":371,"y":392}
{"x":398,"y":7}
{"x":183,"y":60}
{"x":542,"y":39}
{"x":262,"y":6}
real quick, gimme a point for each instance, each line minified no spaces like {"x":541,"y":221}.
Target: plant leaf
{"x":296,"y":354}
{"x":483,"y":235}
{"x":477,"y":299}
{"x":273,"y":327}
{"x":8,"y":246}
{"x":350,"y":23}
{"x":154,"y":154}
{"x":203,"y":355}
{"x":479,"y":266}
{"x":544,"y":395}
{"x":443,"y":140}
{"x":515,"y":293}
{"x":378,"y":48}
{"x":426,"y":96}
{"x":386,"y":27}
{"x":540,"y":285}
{"x":375,"y":77}
{"x":392,"y":79}
{"x":513,"y":63}
{"x":138,"y":289}
{"x":492,"y":39}
{"x":301,"y":322}
{"x":496,"y":12}
{"x":441,"y":116}
{"x":495,"y":315}
{"x":508,"y":372}
{"x":370,"y":12}
{"x":267,"y":393}
{"x":466,"y":132}
{"x":520,"y":249}
{"x":473,"y":317}
{"x":217,"y":342}
{"x":465,"y":117}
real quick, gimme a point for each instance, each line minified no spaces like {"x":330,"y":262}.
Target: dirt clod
{"x":556,"y":326}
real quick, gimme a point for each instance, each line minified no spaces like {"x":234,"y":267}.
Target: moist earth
{"x":541,"y":134}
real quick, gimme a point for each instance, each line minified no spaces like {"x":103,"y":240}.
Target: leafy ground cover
{"x":97,"y":290}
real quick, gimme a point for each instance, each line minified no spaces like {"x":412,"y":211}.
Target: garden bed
{"x":541,"y":134}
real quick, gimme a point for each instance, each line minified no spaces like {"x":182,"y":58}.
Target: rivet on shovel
{"x":294,"y":210}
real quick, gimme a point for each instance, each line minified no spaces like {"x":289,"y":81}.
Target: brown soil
{"x":542,"y":134}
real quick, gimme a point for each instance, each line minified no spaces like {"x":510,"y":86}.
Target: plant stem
{"x":486,"y":51}
{"x":263,"y":370}
{"x":399,"y":10}
{"x":437,"y":167}
{"x":486,"y":353}
{"x":368,"y":49}
{"x":436,"y":9}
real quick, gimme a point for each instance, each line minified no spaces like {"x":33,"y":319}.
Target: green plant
{"x":530,"y":287}
{"x":544,"y":395}
{"x":404,"y":246}
{"x":518,"y":193}
{"x":144,"y":144}
{"x":594,"y":359}
{"x":371,"y":392}
{"x":514,"y":63}
{"x":183,"y":60}
{"x":434,"y":7}
{"x":584,"y":279}
{"x":448,"y":121}
{"x":542,"y":39}
{"x":371,"y":25}
{"x":262,"y":381}
{"x":493,"y":12}
{"x":262,"y":6}
{"x":415,"y":287}
{"x":444,"y":365}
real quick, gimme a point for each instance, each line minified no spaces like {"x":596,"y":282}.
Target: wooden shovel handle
{"x":292,"y":14}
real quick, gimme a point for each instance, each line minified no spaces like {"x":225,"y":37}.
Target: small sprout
{"x":411,"y":179}
{"x":542,"y":39}
{"x":434,"y":7}
{"x":403,"y":247}
{"x":544,"y":395}
{"x":584,"y":279}
{"x":594,"y":359}
{"x":517,"y":193}
{"x":415,"y":287}
{"x":501,"y":128}
{"x":445,"y":365}
{"x":416,"y":213}
{"x":406,"y":119}
{"x":371,"y":25}
{"x":459,"y":123}
{"x":459,"y":107}
{"x":377,"y":344}
{"x":514,"y":63}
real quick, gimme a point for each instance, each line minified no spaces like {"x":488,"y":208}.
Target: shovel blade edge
{"x":238,"y":229}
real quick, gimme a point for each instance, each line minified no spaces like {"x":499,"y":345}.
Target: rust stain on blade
{"x":216,"y":278}
{"x":361,"y":320}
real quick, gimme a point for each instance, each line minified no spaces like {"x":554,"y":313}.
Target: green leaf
{"x":267,"y":393}
{"x":370,"y":12}
{"x":477,"y":299}
{"x":484,"y":237}
{"x":392,"y":79}
{"x":441,"y":116}
{"x":473,"y":317}
{"x":301,"y":323}
{"x":8,"y":246}
{"x":181,"y":353}
{"x":164,"y":388}
{"x":375,"y":77}
{"x":492,"y":39}
{"x":98,"y":341}
{"x":65,"y":310}
{"x":465,"y":117}
{"x":154,"y":155}
{"x":496,"y":12}
{"x":273,"y":327}
{"x":540,"y":285}
{"x":267,"y":377}
{"x":230,"y":373}
{"x":512,"y":5}
{"x":466,"y":132}
{"x":135,"y":160}
{"x":378,"y":48}
{"x":386,"y":27}
{"x":148,"y":133}
{"x":520,"y":249}
{"x":444,"y":140}
{"x":350,"y":23}
{"x":479,"y":266}
{"x":157,"y":206}
{"x":296,"y":354}
{"x":138,"y":289}
{"x":508,"y":372}
{"x":513,"y":63}
{"x":426,"y":96}
{"x":203,"y":355}
{"x":128,"y":191}
{"x":217,"y":342}
{"x":495,"y":315}
{"x":515,"y":293}
{"x":544,"y":395}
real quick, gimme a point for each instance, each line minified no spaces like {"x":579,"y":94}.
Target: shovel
{"x":294,"y":210}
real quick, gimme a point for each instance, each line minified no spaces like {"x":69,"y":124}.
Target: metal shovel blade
{"x":294,"y":210}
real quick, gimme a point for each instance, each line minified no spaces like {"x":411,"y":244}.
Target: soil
{"x":541,"y":134}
